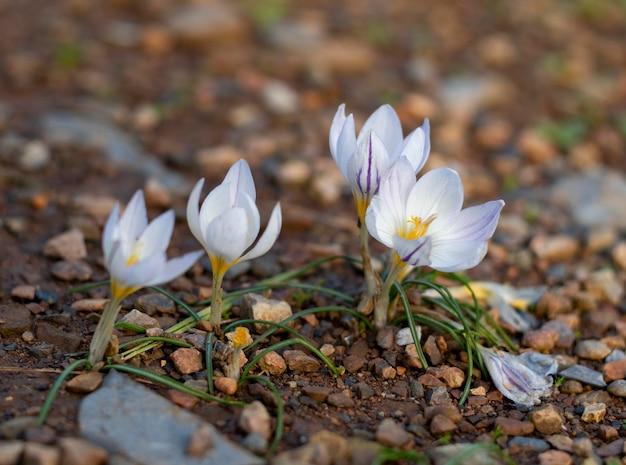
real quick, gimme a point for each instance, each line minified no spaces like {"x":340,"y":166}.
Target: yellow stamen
{"x":135,"y":254}
{"x":418,"y":227}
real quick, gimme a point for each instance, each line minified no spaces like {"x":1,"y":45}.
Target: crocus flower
{"x":424,"y":225}
{"x":134,"y":255}
{"x":514,"y":379}
{"x":227,"y":225}
{"x":364,"y":159}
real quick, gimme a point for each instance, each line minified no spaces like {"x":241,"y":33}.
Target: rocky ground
{"x":527,"y":100}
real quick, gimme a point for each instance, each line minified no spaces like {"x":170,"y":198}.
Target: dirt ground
{"x":100,"y":99}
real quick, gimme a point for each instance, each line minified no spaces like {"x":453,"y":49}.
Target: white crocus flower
{"x":228,"y":224}
{"x":514,"y":379}
{"x":134,"y":255}
{"x":424,"y":225}
{"x":364,"y":159}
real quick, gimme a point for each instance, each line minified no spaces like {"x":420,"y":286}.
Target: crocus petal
{"x":438,"y":192}
{"x":109,"y":229}
{"x":346,"y":146}
{"x":269,"y":236}
{"x":416,"y":147}
{"x":240,"y":177}
{"x":367,"y":166}
{"x":384,"y":122}
{"x":451,"y":256}
{"x":335,"y":129}
{"x":175,"y":267}
{"x":225,"y":236}
{"x":156,"y":237}
{"x":473,"y":223}
{"x":216,"y":203}
{"x":134,"y":219}
{"x":253,"y":216}
{"x":193,"y":215}
{"x":415,"y":252}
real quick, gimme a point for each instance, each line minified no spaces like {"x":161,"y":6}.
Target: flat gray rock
{"x":128,"y":419}
{"x":584,"y":375}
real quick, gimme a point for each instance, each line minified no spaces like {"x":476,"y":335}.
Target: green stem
{"x":381,"y":309}
{"x":372,"y":281}
{"x":216,"y":302}
{"x":104,"y":331}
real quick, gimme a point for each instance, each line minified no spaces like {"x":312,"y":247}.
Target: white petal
{"x":193,"y":208}
{"x":439,"y":192}
{"x":225,"y":236}
{"x":335,"y":129}
{"x":472,"y":224}
{"x":367,"y":166}
{"x":253,"y":216}
{"x":216,"y":203}
{"x":140,"y":273}
{"x":109,"y":229}
{"x":378,"y":228}
{"x":134,"y":219}
{"x":416,"y":147}
{"x":175,"y":267}
{"x":240,"y":177}
{"x":450,"y":256}
{"x":269,"y":236}
{"x":415,"y":252}
{"x":346,"y":146}
{"x":156,"y":237}
{"x":384,"y":122}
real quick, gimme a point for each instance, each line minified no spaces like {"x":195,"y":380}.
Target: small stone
{"x":255,"y":443}
{"x":182,"y":399}
{"x":293,"y":173}
{"x":526,"y":444}
{"x":540,"y":340}
{"x":594,"y":413}
{"x":187,"y":360}
{"x":404,"y":336}
{"x":201,"y":442}
{"x":412,"y":358}
{"x":614,"y":370}
{"x":15,"y":427}
{"x":454,"y":377}
{"x":432,"y":351}
{"x":71,"y":270}
{"x":77,"y":451}
{"x":90,"y":305}
{"x":363,"y":390}
{"x":327,"y":349}
{"x":40,"y":454}
{"x":536,"y":148}
{"x":440,"y":425}
{"x":257,"y":307}
{"x":226,"y":385}
{"x":69,"y":245}
{"x":299,"y":361}
{"x":557,"y":248}
{"x":23,"y":292}
{"x":560,"y":442}
{"x":273,"y":363}
{"x":584,"y":374}
{"x":255,"y":418}
{"x":582,"y":446}
{"x":605,"y":285}
{"x":340,"y":400}
{"x":156,"y":194}
{"x":547,"y":419}
{"x":138,"y":318}
{"x":155,"y":303}
{"x":512,"y":427}
{"x":571,"y":386}
{"x":353,"y":363}
{"x":608,"y":433}
{"x":280,"y":98}
{"x":602,"y":238}
{"x":614,"y":448}
{"x":619,"y":255}
{"x":318,"y":393}
{"x":202,"y":24}
{"x":10,"y":452}
{"x":64,"y":341}
{"x":617,"y":388}
{"x":437,"y":395}
{"x":35,"y":155}
{"x":555,"y":457}
{"x":27,"y":336}
{"x":592,"y":349}
{"x":385,"y":338}
{"x":391,"y":434}
{"x":85,"y":382}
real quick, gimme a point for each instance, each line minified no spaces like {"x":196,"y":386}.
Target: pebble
{"x":226,"y":385}
{"x":90,"y":305}
{"x":383,"y":369}
{"x":582,"y":446}
{"x":280,"y":98}
{"x":293,"y":173}
{"x":404,"y":336}
{"x":318,"y":393}
{"x":98,"y":207}
{"x":299,"y":361}
{"x":340,"y":400}
{"x":618,"y":253}
{"x":138,"y":318}
{"x":536,"y":148}
{"x":571,"y":386}
{"x":432,"y":351}
{"x":600,"y":239}
{"x":512,"y":427}
{"x":155,"y":302}
{"x":10,"y":452}
{"x":64,"y":341}
{"x":71,"y":270}
{"x":390,"y":433}
{"x":273,"y":363}
{"x":454,"y":377}
{"x":556,"y":248}
{"x":547,"y":419}
{"x":614,"y":370}
{"x":560,"y":442}
{"x":412,"y":358}
{"x":200,"y":443}
{"x":363,"y":390}
{"x":566,"y":335}
{"x":594,"y":413}
{"x":526,"y":444}
{"x":541,"y":340}
{"x":605,"y":285}
{"x":338,"y":56}
{"x":385,"y":338}
{"x":206,"y":23}
{"x":27,"y":336}
{"x":24,"y":292}
{"x":437,"y":395}
{"x":255,"y":443}
{"x":440,"y":425}
{"x":77,"y":451}
{"x":592,"y":349}
{"x":85,"y":382}
{"x":257,"y":307}
{"x":182,"y":399}
{"x":35,"y":156}
{"x":113,"y":418}
{"x":584,"y":374}
{"x":614,"y":448}
{"x":187,"y":360}
{"x":255,"y":418}
{"x":555,"y":457}
{"x":617,"y":388}
{"x":69,"y":245}
{"x":608,"y":433}
{"x":327,"y":349}
{"x":40,"y":454}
